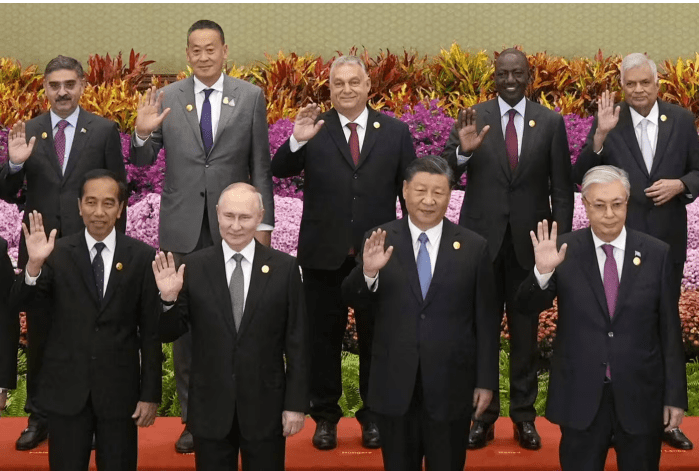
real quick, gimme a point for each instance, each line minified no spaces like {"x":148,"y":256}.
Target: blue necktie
{"x":207,"y":135}
{"x":424,"y":267}
{"x":98,"y":270}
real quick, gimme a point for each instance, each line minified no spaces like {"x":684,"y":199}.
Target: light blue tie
{"x":424,"y":267}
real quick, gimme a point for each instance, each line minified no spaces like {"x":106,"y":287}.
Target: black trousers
{"x":222,"y":455}
{"x":405,"y":440}
{"x":586,"y":450}
{"x":38,"y":325}
{"x":328,"y":320}
{"x":70,"y":444}
{"x":523,"y":329}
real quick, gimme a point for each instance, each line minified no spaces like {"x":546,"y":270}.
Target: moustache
{"x":63,"y":98}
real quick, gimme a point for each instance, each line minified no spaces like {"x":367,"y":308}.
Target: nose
{"x":608,"y":211}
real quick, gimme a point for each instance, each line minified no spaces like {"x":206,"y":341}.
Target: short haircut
{"x":343,"y":60}
{"x":514,"y":51}
{"x":605,"y":174}
{"x":638,"y":60}
{"x":64,"y":63}
{"x":206,"y":24}
{"x":433,"y":164}
{"x":243,"y":185}
{"x":98,"y":173}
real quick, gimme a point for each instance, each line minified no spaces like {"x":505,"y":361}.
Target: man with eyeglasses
{"x":656,"y":143}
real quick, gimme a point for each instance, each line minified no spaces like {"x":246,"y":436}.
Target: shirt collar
{"x":248,"y":251}
{"x":652,"y":116}
{"x":433,"y":233}
{"x":109,"y":241}
{"x":505,"y":108}
{"x":72,"y":119}
{"x":618,"y":243}
{"x":199,"y":85}
{"x":361,"y":119}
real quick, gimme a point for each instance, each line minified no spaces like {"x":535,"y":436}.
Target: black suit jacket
{"x":676,"y":156}
{"x":256,"y":372}
{"x":340,"y":201}
{"x":642,"y":342}
{"x":9,"y":323}
{"x":53,"y":194}
{"x":110,"y":350}
{"x":452,"y":335}
{"x":496,"y":197}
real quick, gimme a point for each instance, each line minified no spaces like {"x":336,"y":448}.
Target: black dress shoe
{"x":370,"y":435}
{"x":185,"y":444}
{"x":676,"y":439}
{"x":32,"y":436}
{"x":325,"y":437}
{"x":480,"y":434}
{"x":527,"y":436}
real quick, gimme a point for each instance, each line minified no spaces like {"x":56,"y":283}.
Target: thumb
{"x":137,"y":413}
{"x":562,"y":251}
{"x":484,"y":131}
{"x":52,"y":236}
{"x":319,"y":125}
{"x":31,"y":142}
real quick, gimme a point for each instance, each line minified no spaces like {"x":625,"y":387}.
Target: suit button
{"x":93,"y":358}
{"x":201,"y":193}
{"x":422,"y":316}
{"x":207,"y":165}
{"x":97,"y":329}
{"x":610,"y":334}
{"x":356,"y":176}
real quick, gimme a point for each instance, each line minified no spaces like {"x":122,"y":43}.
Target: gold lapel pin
{"x":457,"y":245}
{"x":663,"y":118}
{"x":189,"y":107}
{"x":83,"y":130}
{"x":377,"y":125}
{"x":532,"y":123}
{"x":225,"y":100}
{"x":230,"y":103}
{"x":265,"y":269}
{"x":119,"y":266}
{"x":44,"y":135}
{"x":637,"y":261}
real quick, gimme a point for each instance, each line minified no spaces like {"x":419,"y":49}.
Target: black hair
{"x":98,"y":173}
{"x":64,"y":63}
{"x":206,"y":24}
{"x":433,"y":164}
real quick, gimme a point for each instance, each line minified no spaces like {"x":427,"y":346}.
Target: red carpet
{"x":157,"y":452}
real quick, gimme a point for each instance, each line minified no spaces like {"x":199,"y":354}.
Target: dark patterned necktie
{"x":98,"y":270}
{"x":611,"y":284}
{"x":511,"y":140}
{"x":207,"y":134}
{"x":59,"y":142}
{"x":354,"y":142}
{"x":237,"y":290}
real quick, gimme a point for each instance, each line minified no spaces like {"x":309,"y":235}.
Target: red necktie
{"x":59,"y":142}
{"x":354,"y":142}
{"x":511,"y":140}
{"x":611,"y":284}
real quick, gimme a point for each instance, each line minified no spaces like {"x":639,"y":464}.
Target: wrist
{"x":371,"y":274}
{"x":168,"y":300}
{"x":33,"y":267}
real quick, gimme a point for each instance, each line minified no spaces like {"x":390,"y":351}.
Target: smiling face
{"x":640,"y":88}
{"x":605,"y":204}
{"x":511,"y":77}
{"x":206,"y":55}
{"x":63,"y":89}
{"x":426,"y":199}
{"x":349,"y":90}
{"x":239,"y":213}
{"x":100,"y":207}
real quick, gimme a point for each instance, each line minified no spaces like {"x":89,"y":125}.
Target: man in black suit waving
{"x":516,"y":156}
{"x":618,"y":364}
{"x":101,"y":369}
{"x":244,"y":305}
{"x":436,"y":325}
{"x":353,"y":159}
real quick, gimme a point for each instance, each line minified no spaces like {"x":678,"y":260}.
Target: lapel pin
{"x":119,"y":266}
{"x":189,"y":107}
{"x":230,"y":103}
{"x":637,"y":258}
{"x":225,"y":100}
{"x":663,"y":118}
{"x":265,"y":269}
{"x":83,"y":130}
{"x":457,"y":245}
{"x":44,"y":135}
{"x":532,"y":123}
{"x":377,"y":125}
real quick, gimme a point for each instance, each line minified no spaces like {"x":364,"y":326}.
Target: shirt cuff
{"x":372,"y":283}
{"x":543,"y":280}
{"x":460,"y":158}
{"x":265,"y":227}
{"x":31,"y":280}
{"x":14,"y":168}
{"x":295,"y":145}
{"x":600,"y":150}
{"x":138,"y":142}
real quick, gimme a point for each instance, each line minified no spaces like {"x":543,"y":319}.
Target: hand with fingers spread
{"x":374,"y":255}
{"x":18,"y":148}
{"x":469,"y":138}
{"x":149,"y":117}
{"x":546,"y":255}
{"x":305,"y":126}
{"x":39,"y":247}
{"x":167,"y":277}
{"x":607,"y":118}
{"x":292,"y":422}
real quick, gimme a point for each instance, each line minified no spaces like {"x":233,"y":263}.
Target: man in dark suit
{"x":618,"y":363}
{"x":656,"y":143}
{"x":353,"y":159}
{"x":436,"y":325}
{"x":516,"y":156}
{"x":9,"y":327}
{"x":214,"y":130}
{"x":101,"y":369}
{"x":53,"y":152}
{"x":244,"y":305}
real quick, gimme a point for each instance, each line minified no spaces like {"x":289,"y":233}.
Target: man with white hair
{"x":656,"y":143}
{"x":618,"y":365}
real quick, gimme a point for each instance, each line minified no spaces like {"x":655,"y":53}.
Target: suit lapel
{"x":122,"y":259}
{"x":370,"y":136}
{"x":406,"y":256}
{"x":529,"y":135}
{"x":444,"y":260}
{"x":588,"y":263}
{"x":627,"y":130}
{"x":79,"y":140}
{"x":186,"y":98}
{"x":664,"y":132}
{"x":493,"y":119}
{"x":230,"y":94}
{"x":81,"y":257}
{"x":629,"y":270}
{"x":216,"y":274}
{"x":258,"y":283}
{"x":48,"y":149}
{"x":332,"y":123}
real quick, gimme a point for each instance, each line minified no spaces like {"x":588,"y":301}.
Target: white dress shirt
{"x":248,"y":253}
{"x":361,"y":121}
{"x":652,"y":126}
{"x":68,"y":132}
